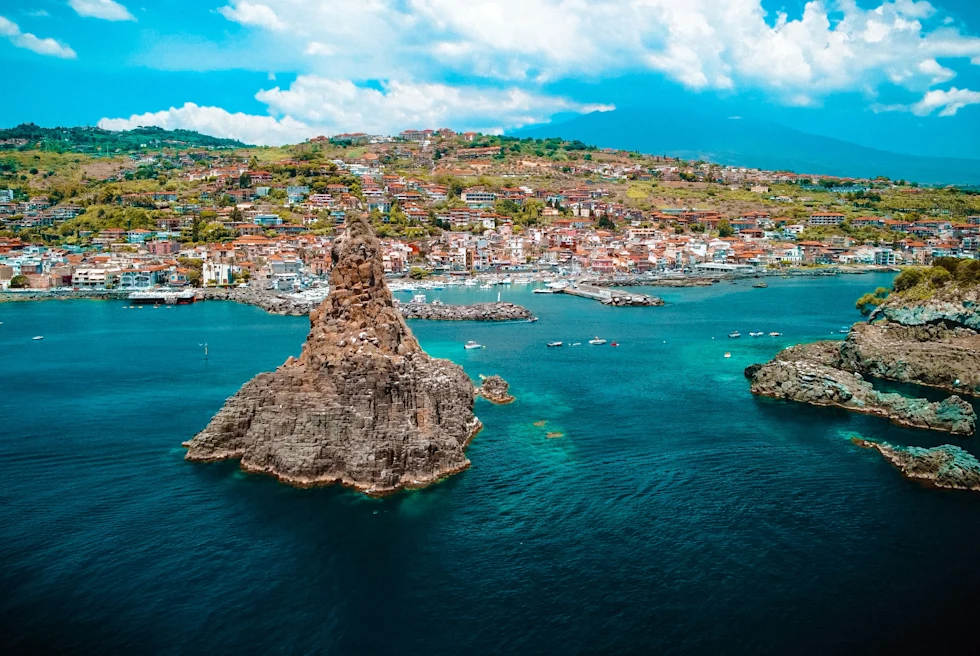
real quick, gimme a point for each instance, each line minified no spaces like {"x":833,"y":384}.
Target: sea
{"x":634,"y":499}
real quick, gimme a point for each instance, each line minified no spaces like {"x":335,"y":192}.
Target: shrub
{"x":951,"y":264}
{"x":19,"y":282}
{"x":939,"y":276}
{"x":908,"y":279}
{"x":968,"y":272}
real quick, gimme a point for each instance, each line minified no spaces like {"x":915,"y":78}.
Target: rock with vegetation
{"x":495,"y":389}
{"x":945,"y":466}
{"x":809,"y":374}
{"x":363,"y":405}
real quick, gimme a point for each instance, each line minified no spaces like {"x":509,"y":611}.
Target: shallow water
{"x":676,"y":512}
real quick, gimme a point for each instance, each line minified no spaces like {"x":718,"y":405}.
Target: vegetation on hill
{"x":947,"y":276}
{"x":95,"y":140}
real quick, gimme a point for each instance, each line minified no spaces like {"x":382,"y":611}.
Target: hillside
{"x":752,"y":143}
{"x":89,"y":139}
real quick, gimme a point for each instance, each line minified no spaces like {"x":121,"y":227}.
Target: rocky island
{"x":495,"y":389}
{"x":945,"y":466}
{"x":363,"y":405}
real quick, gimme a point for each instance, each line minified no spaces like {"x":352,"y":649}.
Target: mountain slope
{"x":752,"y":143}
{"x":85,"y":138}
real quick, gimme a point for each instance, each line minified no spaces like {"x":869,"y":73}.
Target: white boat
{"x":38,"y":338}
{"x":775,"y":334}
{"x":757,"y":334}
{"x":541,"y":290}
{"x":486,"y":286}
{"x":577,"y":344}
{"x":728,"y":355}
{"x":734,"y":334}
{"x":844,"y":330}
{"x":597,"y":341}
{"x":418,"y":298}
{"x":554,"y":344}
{"x":471,"y":282}
{"x":473,"y":345}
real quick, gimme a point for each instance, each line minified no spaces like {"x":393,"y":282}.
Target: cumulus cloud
{"x":105,"y":9}
{"x":833,"y":45}
{"x":11,"y":31}
{"x":250,"y":13}
{"x":314,"y":105}
{"x":947,"y":102}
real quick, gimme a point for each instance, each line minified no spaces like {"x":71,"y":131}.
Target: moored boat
{"x":597,"y":341}
{"x":39,"y":337}
{"x":734,"y":334}
{"x":554,"y":344}
{"x":473,"y":345}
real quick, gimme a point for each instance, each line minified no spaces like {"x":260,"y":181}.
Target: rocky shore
{"x":475,"y":312}
{"x":812,"y":374}
{"x":946,"y":466}
{"x":363,"y":406}
{"x":495,"y":389}
{"x":62,"y":295}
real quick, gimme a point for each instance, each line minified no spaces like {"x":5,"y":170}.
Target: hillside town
{"x":168,"y":215}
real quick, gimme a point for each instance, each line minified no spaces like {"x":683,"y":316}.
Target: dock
{"x":614,"y":297}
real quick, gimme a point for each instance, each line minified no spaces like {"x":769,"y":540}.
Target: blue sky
{"x":901,"y":75}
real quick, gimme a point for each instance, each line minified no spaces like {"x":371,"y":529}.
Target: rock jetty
{"x":363,"y":406}
{"x":267,"y":299}
{"x":812,"y":374}
{"x":495,"y":389}
{"x":475,"y":312}
{"x":945,"y":466}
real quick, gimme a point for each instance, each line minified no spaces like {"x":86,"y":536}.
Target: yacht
{"x":473,"y":345}
{"x":554,"y":344}
{"x":597,"y":341}
{"x":734,"y":334}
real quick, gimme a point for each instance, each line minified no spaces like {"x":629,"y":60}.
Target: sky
{"x":901,"y":75}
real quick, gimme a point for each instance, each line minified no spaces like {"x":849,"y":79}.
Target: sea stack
{"x":363,"y":406}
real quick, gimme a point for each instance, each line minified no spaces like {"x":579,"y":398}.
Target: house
{"x":479,"y":197}
{"x":826,"y":218}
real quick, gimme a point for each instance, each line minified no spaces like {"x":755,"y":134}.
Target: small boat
{"x":554,"y":344}
{"x":418,"y":298}
{"x":760,"y":285}
{"x":775,"y":334}
{"x":473,"y":345}
{"x":844,"y":330}
{"x":734,"y":334}
{"x":728,"y":355}
{"x":39,"y":337}
{"x":486,"y":286}
{"x":532,"y":319}
{"x":541,"y":290}
{"x":757,"y":334}
{"x":597,"y":341}
{"x":577,"y":344}
{"x":614,"y":344}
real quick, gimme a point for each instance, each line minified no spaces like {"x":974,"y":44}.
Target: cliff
{"x":811,"y":374}
{"x":945,"y":466}
{"x":363,"y":405}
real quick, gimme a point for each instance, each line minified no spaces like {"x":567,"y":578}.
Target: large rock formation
{"x":363,"y":405}
{"x":812,"y":374}
{"x":945,"y":466}
{"x":495,"y":389}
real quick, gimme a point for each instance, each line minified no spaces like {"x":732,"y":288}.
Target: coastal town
{"x":170,"y":214}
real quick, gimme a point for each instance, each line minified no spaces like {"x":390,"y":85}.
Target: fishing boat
{"x":473,"y":345}
{"x":775,"y":334}
{"x":554,"y":344}
{"x":597,"y":341}
{"x":734,"y":334}
{"x":39,"y":337}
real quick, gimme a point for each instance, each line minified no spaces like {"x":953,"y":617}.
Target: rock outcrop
{"x":495,"y":389}
{"x":363,"y":405}
{"x":811,"y":374}
{"x":945,"y":466}
{"x":475,"y":312}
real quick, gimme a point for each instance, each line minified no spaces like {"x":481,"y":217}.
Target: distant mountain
{"x":752,"y":143}
{"x":94,"y":139}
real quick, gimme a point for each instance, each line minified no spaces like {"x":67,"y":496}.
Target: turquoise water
{"x":675,"y":513}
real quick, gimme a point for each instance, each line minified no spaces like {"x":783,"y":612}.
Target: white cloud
{"x":215,"y":121}
{"x":50,"y":47}
{"x":314,"y":105}
{"x":250,"y":13}
{"x":947,"y":102}
{"x":833,"y":45}
{"x":105,"y":9}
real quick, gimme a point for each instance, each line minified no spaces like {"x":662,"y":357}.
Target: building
{"x":826,"y":218}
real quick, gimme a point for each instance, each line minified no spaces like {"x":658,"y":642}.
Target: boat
{"x":532,"y":320}
{"x":734,"y":334}
{"x":728,"y":355}
{"x":437,"y":302}
{"x":554,"y":344}
{"x":761,"y":285}
{"x":541,"y":290}
{"x":471,"y":282}
{"x":418,"y":298}
{"x":775,"y":334}
{"x":614,"y":344}
{"x":163,"y":297}
{"x":473,"y":345}
{"x":757,"y":334}
{"x":486,"y":286}
{"x":39,"y":337}
{"x":597,"y":341}
{"x":577,"y":344}
{"x":844,"y":330}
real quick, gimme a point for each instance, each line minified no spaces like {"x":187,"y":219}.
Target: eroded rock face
{"x":495,"y":389}
{"x":938,"y":355}
{"x":945,"y":466}
{"x":363,"y":405}
{"x":811,"y":374}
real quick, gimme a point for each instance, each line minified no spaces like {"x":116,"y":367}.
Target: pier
{"x":614,"y":297}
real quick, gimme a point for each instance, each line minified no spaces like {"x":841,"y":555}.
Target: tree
{"x":19,"y":282}
{"x":244,"y":181}
{"x":605,"y":222}
{"x":417,"y":273}
{"x":869,"y":301}
{"x":725,"y":229}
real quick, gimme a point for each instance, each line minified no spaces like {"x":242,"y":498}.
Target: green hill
{"x":87,"y":139}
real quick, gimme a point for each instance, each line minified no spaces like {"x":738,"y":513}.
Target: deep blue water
{"x":677,"y":512}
